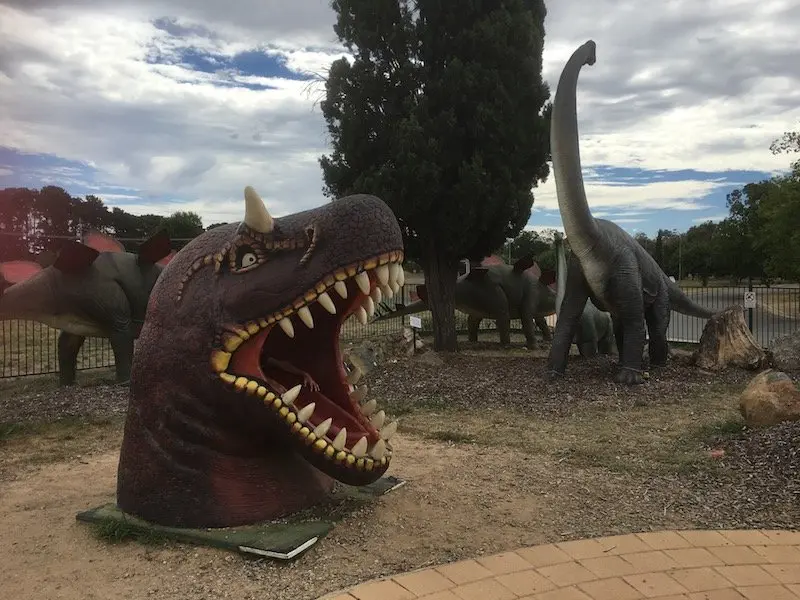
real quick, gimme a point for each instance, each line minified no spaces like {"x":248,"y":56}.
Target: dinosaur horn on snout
{"x":256,"y":216}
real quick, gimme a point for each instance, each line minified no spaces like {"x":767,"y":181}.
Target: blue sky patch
{"x":266,"y":62}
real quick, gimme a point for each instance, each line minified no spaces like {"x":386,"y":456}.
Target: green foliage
{"x":531,"y":243}
{"x":440,"y":113}
{"x":183,"y":225}
{"x":37,"y":221}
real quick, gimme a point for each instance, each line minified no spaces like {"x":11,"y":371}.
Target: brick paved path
{"x":670,"y":565}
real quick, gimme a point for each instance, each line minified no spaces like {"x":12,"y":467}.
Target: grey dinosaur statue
{"x":595,"y":330}
{"x":93,"y":289}
{"x":607,"y":264}
{"x":501,"y":292}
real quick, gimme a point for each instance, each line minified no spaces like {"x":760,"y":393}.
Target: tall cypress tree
{"x":442,"y":113}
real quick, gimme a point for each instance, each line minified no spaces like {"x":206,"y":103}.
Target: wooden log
{"x":727,"y":342}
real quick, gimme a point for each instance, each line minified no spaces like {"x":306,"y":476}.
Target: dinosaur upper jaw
{"x":334,"y":428}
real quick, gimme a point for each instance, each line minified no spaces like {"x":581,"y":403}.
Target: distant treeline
{"x":35,"y":221}
{"x":760,"y":238}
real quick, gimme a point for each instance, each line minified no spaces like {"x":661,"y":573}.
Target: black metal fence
{"x":29,"y":348}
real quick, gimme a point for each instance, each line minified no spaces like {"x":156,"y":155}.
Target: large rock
{"x":770,"y":398}
{"x":727,"y":342}
{"x":786,"y":352}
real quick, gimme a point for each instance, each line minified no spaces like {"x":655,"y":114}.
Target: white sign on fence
{"x":749,"y":299}
{"x":415,"y":322}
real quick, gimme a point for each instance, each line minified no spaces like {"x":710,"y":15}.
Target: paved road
{"x":772,"y":316}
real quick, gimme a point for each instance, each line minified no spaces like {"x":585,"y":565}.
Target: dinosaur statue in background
{"x":498,"y":291}
{"x":607,"y":264}
{"x":92,"y":289}
{"x":595,"y":330}
{"x":241,"y":410}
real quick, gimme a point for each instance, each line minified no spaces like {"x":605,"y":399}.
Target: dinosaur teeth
{"x":394,"y":273}
{"x":378,"y":450}
{"x":387,"y":291}
{"x":369,"y":306}
{"x":359,"y":393}
{"x":305,"y":317}
{"x":287,"y":326}
{"x":378,"y":419}
{"x":327,"y":303}
{"x":362,"y":280}
{"x":376,"y":295}
{"x":321,"y":429}
{"x":369,"y":407}
{"x":340,"y":439}
{"x":383,"y":273}
{"x":389,"y":430}
{"x":360,"y":448}
{"x":361,"y":315}
{"x":354,"y":375}
{"x":305,"y":413}
{"x":341,"y":288}
{"x":401,"y":276}
{"x":289,"y":396}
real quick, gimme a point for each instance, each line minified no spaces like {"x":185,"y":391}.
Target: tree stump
{"x":727,"y":341}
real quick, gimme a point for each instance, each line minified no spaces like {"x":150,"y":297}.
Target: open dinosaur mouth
{"x":282,"y":357}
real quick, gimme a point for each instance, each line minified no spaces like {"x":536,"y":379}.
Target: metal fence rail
{"x":29,"y":348}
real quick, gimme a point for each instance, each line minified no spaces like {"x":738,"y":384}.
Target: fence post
{"x":750,"y":310}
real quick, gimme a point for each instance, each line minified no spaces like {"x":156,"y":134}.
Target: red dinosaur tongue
{"x":305,"y":352}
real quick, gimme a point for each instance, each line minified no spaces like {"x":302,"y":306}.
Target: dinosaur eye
{"x":245,"y":257}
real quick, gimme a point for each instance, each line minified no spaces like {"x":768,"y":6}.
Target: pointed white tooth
{"x":306,"y":412}
{"x":369,"y":407}
{"x":378,"y":450}
{"x":327,"y":303}
{"x":305,"y":317}
{"x":394,"y":269}
{"x":388,"y":431}
{"x":354,"y":375}
{"x":394,"y":286}
{"x":321,"y":429}
{"x":362,"y":280}
{"x":359,"y":393}
{"x":382,"y":273}
{"x":360,"y":448}
{"x":378,"y":419}
{"x":361,"y":315}
{"x":287,"y":326}
{"x":401,"y":276}
{"x":340,"y":439}
{"x":289,"y":396}
{"x":369,"y":306}
{"x":376,"y":295}
{"x":387,"y":291}
{"x":341,"y":288}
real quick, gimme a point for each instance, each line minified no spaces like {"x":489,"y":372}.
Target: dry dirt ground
{"x":495,"y":455}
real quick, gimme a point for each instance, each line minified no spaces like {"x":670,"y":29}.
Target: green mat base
{"x":282,"y":541}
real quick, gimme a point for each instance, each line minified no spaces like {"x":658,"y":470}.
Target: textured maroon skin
{"x":194,"y":452}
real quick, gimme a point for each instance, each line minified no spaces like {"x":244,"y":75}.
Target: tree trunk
{"x":727,"y":341}
{"x":440,"y":281}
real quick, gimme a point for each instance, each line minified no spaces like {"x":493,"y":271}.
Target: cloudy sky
{"x":162,"y":105}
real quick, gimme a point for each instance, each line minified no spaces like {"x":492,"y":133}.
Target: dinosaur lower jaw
{"x":333,"y":427}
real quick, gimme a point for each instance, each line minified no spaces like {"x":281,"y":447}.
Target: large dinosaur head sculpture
{"x":241,"y":408}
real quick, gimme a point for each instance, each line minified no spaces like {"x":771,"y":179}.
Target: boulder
{"x":770,"y":398}
{"x":786,"y":352}
{"x":727,"y":341}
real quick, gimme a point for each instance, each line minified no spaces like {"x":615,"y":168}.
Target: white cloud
{"x":657,"y":195}
{"x":677,"y":85}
